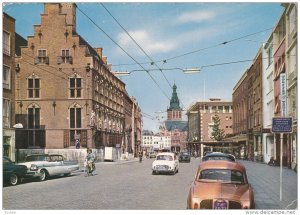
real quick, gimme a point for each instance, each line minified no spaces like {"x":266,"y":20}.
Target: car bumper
{"x":32,"y":174}
{"x":185,"y":160}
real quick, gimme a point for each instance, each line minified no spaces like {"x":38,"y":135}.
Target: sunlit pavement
{"x":265,"y":180}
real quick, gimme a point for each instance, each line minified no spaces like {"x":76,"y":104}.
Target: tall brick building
{"x":66,"y":95}
{"x":11,"y":47}
{"x":200,"y":125}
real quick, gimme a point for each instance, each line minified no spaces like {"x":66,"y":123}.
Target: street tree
{"x":217,"y":133}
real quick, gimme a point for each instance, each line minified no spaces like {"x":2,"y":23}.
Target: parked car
{"x":220,"y":184}
{"x":13,"y":173}
{"x":184,"y":157}
{"x":43,"y":166}
{"x":218,"y":156}
{"x":165,"y":162}
{"x":152,"y":154}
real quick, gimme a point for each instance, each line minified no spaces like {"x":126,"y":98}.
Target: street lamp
{"x":191,"y":70}
{"x":185,"y":71}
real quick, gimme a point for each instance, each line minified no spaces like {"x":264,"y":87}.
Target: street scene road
{"x":130,"y":185}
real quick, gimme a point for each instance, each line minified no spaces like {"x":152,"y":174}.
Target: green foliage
{"x":217,"y":133}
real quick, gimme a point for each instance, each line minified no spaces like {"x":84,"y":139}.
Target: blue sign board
{"x":282,"y":125}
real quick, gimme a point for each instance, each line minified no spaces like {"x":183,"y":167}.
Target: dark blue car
{"x":184,"y":157}
{"x":13,"y":173}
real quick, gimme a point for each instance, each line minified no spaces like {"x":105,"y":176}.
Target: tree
{"x":217,"y":133}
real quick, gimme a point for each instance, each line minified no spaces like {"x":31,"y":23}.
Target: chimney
{"x":99,"y":51}
{"x":104,"y":58}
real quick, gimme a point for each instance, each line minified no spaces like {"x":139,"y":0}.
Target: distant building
{"x":200,"y":124}
{"x":174,"y":127}
{"x":155,"y":142}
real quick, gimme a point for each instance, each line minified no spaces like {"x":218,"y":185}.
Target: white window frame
{"x":41,"y":59}
{"x":64,"y":56}
{"x":8,"y":45}
{"x":7,"y":79}
{"x":6,"y":114}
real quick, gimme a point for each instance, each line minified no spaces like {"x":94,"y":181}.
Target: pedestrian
{"x":90,"y":165}
{"x":140,"y":156}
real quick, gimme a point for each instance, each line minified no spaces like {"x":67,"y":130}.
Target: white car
{"x":43,"y":165}
{"x":165,"y":162}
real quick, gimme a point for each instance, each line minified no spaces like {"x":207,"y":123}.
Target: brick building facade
{"x":66,"y":95}
{"x":200,"y":124}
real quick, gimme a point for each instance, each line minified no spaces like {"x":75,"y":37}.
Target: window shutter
{"x":36,"y":60}
{"x":70,"y":60}
{"x":47,"y":60}
{"x":59,"y":60}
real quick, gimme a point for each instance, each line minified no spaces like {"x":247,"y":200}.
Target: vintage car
{"x":42,"y":166}
{"x":152,"y":155}
{"x":13,"y":173}
{"x":184,"y":157}
{"x":218,"y":156}
{"x":165,"y":162}
{"x":220,"y":185}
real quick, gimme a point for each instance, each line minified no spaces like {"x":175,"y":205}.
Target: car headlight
{"x":33,"y":167}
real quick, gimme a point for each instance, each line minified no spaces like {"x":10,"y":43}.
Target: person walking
{"x":90,"y":165}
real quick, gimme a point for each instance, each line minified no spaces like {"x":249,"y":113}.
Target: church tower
{"x":174,"y":111}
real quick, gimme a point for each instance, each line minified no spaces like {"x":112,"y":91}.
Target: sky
{"x":174,"y":36}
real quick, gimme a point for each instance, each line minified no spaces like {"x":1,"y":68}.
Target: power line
{"x":210,"y":65}
{"x":202,"y":49}
{"x":124,"y":52}
{"x":152,"y":61}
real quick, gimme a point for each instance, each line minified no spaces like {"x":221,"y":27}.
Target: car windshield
{"x":37,"y":158}
{"x":164,"y":157}
{"x":217,"y":158}
{"x":185,"y":153}
{"x":222,"y":175}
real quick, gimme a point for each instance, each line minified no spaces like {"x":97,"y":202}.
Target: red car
{"x":220,"y":185}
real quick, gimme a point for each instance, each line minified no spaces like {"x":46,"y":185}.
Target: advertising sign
{"x":282,"y":125}
{"x":283,"y":94}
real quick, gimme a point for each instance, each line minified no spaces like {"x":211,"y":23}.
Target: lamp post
{"x":185,"y":71}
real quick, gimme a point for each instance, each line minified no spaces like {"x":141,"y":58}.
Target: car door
{"x":57,"y":162}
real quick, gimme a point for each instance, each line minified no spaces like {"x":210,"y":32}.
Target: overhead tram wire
{"x":152,"y":61}
{"x":125,"y":52}
{"x":202,"y":49}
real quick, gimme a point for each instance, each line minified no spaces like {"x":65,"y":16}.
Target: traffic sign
{"x":282,"y":125}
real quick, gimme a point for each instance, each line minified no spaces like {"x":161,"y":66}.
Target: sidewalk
{"x":265,"y":180}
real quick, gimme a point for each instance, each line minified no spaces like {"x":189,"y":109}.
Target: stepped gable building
{"x":174,"y":126}
{"x":66,"y":96}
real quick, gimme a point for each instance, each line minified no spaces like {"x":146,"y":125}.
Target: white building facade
{"x":268,"y":100}
{"x":156,"y":143}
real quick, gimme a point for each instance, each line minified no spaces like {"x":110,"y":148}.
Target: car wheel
{"x":153,"y":173}
{"x":13,"y":179}
{"x":43,"y":175}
